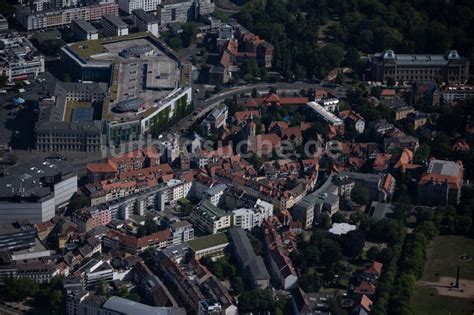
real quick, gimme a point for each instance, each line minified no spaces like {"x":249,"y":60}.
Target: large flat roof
{"x":208,"y":241}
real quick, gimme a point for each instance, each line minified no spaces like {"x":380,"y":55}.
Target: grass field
{"x":442,"y":258}
{"x":427,"y":301}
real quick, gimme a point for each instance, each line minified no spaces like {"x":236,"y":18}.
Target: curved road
{"x":209,"y":104}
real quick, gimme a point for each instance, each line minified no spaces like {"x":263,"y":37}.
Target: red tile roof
{"x":365,"y":288}
{"x":388,"y":92}
{"x":374,"y":269}
{"x":249,"y":114}
{"x":366,"y":303}
{"x":101,"y":168}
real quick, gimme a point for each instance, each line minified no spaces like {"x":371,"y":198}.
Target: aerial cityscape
{"x":224,"y":157}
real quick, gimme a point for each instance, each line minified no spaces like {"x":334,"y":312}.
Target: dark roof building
{"x":418,"y":68}
{"x":251,"y":265}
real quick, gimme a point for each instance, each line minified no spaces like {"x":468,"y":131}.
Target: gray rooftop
{"x":85,"y":26}
{"x":418,"y":59}
{"x":242,"y":245}
{"x":376,"y":178}
{"x":27,"y":178}
{"x":216,"y":189}
{"x":443,"y":167}
{"x":115,"y":20}
{"x":128,"y":307}
{"x":145,"y":16}
{"x":379,"y":210}
{"x":258,"y":270}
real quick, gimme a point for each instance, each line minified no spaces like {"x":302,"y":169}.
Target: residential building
{"x":175,"y":11}
{"x":182,"y":232}
{"x":417,"y":119}
{"x":87,"y":219}
{"x":15,"y":236}
{"x":146,"y":22}
{"x":441,"y":184}
{"x":403,"y":111}
{"x":216,"y":119}
{"x":215,"y":194}
{"x":182,"y":11}
{"x":210,"y":218}
{"x":196,"y":286}
{"x":281,"y":266}
{"x":355,"y":118}
{"x":83,"y":30}
{"x":325,"y":115}
{"x":19,"y":59}
{"x":123,"y":165}
{"x":373,"y":271}
{"x":211,"y":246}
{"x":128,"y":6}
{"x":120,"y":241}
{"x":94,"y":271}
{"x":380,"y":186}
{"x":452,"y":94}
{"x":33,"y":190}
{"x":451,"y":67}
{"x":34,"y":20}
{"x":114,"y":26}
{"x":252,"y":266}
{"x":323,"y":200}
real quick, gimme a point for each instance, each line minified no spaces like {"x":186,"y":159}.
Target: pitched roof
{"x":249,"y":114}
{"x":365,"y":288}
{"x":388,"y":92}
{"x":375,"y":268}
{"x":366,"y":303}
{"x":101,"y":168}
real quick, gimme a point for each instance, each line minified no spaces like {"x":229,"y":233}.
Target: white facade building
{"x":19,"y":60}
{"x":146,"y":5}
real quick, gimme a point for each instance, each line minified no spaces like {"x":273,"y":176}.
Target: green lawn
{"x":442,"y":258}
{"x":427,"y":301}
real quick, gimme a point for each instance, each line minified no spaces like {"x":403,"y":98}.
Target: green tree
{"x":310,"y":283}
{"x":237,"y":285}
{"x":352,"y":243}
{"x":77,"y":201}
{"x":3,"y":80}
{"x":250,"y":70}
{"x":422,"y":154}
{"x":360,"y":195}
{"x":17,"y":289}
{"x":256,"y":301}
{"x":188,"y":35}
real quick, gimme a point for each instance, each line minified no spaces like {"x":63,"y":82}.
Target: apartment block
{"x":128,"y":6}
{"x":210,"y":218}
{"x":34,"y":20}
{"x":146,"y":22}
{"x":114,"y":26}
{"x":83,"y":30}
